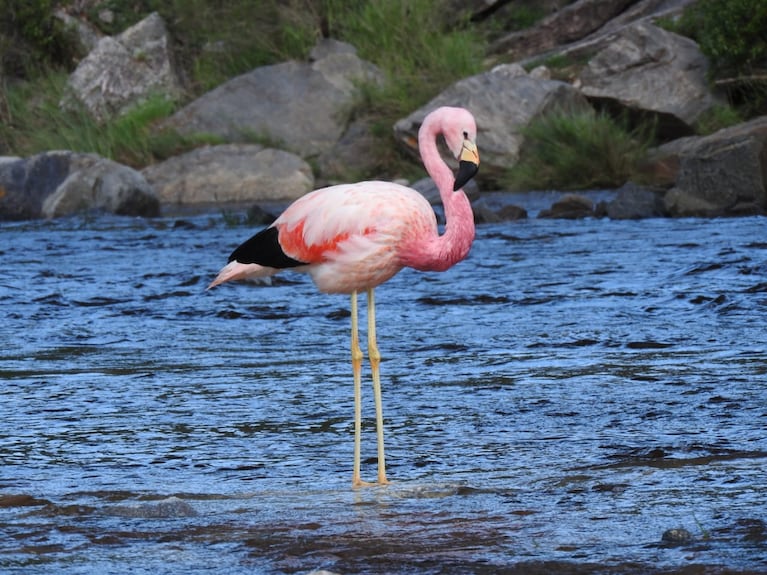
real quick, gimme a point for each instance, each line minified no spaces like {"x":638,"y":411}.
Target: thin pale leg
{"x":375,"y":362}
{"x":357,"y":368}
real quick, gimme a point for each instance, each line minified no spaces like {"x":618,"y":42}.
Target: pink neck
{"x":439,"y":253}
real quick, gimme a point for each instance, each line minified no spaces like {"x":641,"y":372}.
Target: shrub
{"x":732,"y":33}
{"x":31,"y":38}
{"x":578,"y":151}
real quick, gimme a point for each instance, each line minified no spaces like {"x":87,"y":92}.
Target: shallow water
{"x":554,"y":404}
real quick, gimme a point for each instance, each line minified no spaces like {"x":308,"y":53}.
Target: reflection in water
{"x":560,"y":402}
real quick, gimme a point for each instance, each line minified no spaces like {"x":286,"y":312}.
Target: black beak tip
{"x":466,"y":171}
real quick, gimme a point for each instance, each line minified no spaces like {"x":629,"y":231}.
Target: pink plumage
{"x":354,"y":237}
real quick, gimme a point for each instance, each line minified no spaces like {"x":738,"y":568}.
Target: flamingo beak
{"x":468,"y":164}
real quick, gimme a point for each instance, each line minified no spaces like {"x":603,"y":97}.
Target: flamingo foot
{"x":358,"y":483}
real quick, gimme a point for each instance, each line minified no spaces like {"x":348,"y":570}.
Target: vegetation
{"x":732,"y":33}
{"x":584,"y":150}
{"x":418,"y":49}
{"x":214,"y":41}
{"x":35,"y":122}
{"x":31,"y":38}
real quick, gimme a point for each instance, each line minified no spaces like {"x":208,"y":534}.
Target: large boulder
{"x":302,"y":107}
{"x":569,"y":24}
{"x":646,"y":69}
{"x":230,"y":173}
{"x":722,"y":174}
{"x":503,"y":101}
{"x":62,"y":183}
{"x":122,"y":71}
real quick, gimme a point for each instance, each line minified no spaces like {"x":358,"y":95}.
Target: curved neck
{"x":441,"y":252}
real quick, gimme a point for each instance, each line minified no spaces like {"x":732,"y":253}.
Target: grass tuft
{"x":586,"y":150}
{"x":35,"y":122}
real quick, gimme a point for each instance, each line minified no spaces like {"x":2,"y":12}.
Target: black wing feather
{"x":264,"y":249}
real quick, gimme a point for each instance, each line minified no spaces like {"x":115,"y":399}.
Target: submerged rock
{"x":635,"y":202}
{"x":165,"y":508}
{"x":676,"y":536}
{"x":571,"y":207}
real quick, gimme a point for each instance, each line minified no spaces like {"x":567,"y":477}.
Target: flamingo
{"x":353,"y":237}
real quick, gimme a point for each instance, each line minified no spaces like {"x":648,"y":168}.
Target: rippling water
{"x":555,"y":403}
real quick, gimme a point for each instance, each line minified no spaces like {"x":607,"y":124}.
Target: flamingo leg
{"x":357,"y":368}
{"x":375,"y":362}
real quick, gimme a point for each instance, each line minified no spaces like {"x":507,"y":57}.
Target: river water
{"x":576,"y":397}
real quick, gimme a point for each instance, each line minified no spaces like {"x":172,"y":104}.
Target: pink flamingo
{"x":353,"y":237}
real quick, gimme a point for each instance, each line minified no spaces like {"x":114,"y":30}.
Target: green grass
{"x":35,"y":122}
{"x":578,"y":151}
{"x":716,"y":118}
{"x":410,"y":41}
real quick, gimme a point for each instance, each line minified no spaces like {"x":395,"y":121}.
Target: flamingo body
{"x":348,"y":238}
{"x":354,"y":237}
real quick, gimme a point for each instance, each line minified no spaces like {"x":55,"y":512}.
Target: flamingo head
{"x":460,"y":132}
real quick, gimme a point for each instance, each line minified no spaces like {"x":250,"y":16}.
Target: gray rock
{"x":353,"y":157}
{"x":677,"y":536}
{"x":61,"y":183}
{"x":427,"y":188}
{"x":724,"y":173}
{"x":96,"y":183}
{"x":298,"y":106}
{"x":124,"y":70}
{"x":569,"y":206}
{"x":573,"y":22}
{"x":512,"y":212}
{"x":87,"y":35}
{"x":635,"y":202}
{"x":230,"y":173}
{"x":649,"y":69}
{"x":503,"y":101}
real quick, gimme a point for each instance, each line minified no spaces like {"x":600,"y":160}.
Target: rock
{"x":500,"y":120}
{"x":636,"y":202}
{"x":645,"y":68}
{"x":258,"y":216}
{"x":168,"y":508}
{"x":21,"y":500}
{"x":230,"y":173}
{"x":87,"y":35}
{"x":483,"y":214}
{"x":641,"y":10}
{"x":123,"y":71}
{"x":676,"y":536}
{"x":352,"y":157}
{"x":427,"y":188}
{"x":573,"y":22}
{"x":304,"y":107}
{"x":570,"y":207}
{"x":62,"y":183}
{"x":96,"y":183}
{"x":721,"y":174}
{"x":511,"y":212}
